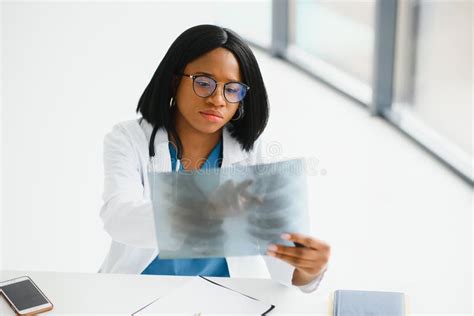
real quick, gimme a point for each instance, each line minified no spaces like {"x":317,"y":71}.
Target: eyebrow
{"x":211,"y":75}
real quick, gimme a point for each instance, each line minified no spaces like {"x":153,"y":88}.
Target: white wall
{"x":395,"y":217}
{"x":1,"y":139}
{"x":71,"y":71}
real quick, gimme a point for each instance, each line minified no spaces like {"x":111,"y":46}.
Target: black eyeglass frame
{"x":193,"y":77}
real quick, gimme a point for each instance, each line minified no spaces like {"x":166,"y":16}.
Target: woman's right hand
{"x":232,"y":198}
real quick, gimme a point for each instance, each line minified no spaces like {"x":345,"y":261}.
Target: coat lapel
{"x":232,"y":152}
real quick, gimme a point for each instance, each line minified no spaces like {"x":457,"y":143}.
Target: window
{"x":433,"y":82}
{"x":231,"y":14}
{"x":336,"y":38}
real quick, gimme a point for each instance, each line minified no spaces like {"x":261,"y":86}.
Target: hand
{"x":309,"y":258}
{"x":232,"y":198}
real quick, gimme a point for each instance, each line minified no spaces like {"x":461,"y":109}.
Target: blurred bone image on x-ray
{"x":233,"y":211}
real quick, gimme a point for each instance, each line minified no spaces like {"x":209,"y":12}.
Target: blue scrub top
{"x":199,"y":266}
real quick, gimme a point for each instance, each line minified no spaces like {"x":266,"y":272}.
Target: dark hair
{"x":154,"y":104}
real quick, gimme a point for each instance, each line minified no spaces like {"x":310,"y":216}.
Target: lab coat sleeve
{"x":282,"y":272}
{"x":313,"y":285}
{"x":126,"y":213}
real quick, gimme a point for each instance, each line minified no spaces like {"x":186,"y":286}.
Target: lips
{"x":212,"y":116}
{"x":212,"y":113}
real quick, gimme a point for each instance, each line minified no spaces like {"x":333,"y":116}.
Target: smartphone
{"x":24,"y":296}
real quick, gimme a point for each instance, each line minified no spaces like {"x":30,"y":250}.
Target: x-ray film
{"x":234,"y":211}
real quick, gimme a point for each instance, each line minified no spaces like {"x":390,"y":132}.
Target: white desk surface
{"x":93,"y":293}
{"x":84,"y":293}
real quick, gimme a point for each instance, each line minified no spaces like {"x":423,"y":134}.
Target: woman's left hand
{"x":309,"y":258}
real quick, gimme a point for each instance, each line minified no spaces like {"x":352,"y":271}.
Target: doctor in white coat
{"x":206,"y":99}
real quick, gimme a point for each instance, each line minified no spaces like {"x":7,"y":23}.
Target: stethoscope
{"x":151,"y":148}
{"x":151,"y":144}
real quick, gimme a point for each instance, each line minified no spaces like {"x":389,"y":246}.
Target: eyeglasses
{"x":205,"y":86}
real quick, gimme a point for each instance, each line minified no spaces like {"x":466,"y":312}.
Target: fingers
{"x":307,"y":248}
{"x":306,"y":259}
{"x":296,"y":252}
{"x":294,"y":261}
{"x":306,"y":241}
{"x":310,"y":267}
{"x":252,"y":197}
{"x":249,"y":197}
{"x":244,"y":185}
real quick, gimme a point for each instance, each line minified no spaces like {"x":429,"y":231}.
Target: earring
{"x":172,"y":103}
{"x":241,"y":112}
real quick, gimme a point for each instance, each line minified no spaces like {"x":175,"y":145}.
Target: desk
{"x":84,"y":293}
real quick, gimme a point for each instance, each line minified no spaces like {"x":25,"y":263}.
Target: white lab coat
{"x":127,"y":211}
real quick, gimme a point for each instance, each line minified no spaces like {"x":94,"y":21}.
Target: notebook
{"x":365,"y":303}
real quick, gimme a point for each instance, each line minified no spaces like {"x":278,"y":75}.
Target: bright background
{"x":388,"y":207}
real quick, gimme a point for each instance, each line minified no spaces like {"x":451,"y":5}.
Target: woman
{"x":206,"y":105}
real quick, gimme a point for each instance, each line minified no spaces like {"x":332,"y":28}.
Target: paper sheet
{"x":200,"y":296}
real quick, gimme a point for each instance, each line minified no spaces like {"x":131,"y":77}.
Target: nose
{"x":217,"y":97}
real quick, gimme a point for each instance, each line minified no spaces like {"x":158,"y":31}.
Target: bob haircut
{"x":154,"y":104}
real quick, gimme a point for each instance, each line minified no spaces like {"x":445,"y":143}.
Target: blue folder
{"x":365,"y":303}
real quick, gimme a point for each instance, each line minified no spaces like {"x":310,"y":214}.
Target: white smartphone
{"x":24,"y":296}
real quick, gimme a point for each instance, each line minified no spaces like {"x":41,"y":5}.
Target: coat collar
{"x":232,"y":150}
